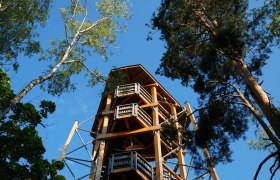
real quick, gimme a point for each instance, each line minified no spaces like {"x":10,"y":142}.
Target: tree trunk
{"x":39,"y":80}
{"x":260,"y":96}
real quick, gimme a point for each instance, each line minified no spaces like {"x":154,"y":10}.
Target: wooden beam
{"x":171,"y":172}
{"x":204,"y":149}
{"x":66,"y":145}
{"x":108,"y":112}
{"x":150,"y":85}
{"x":102,"y":143}
{"x":176,"y":168}
{"x":181,"y":159}
{"x":149,"y":105}
{"x":127,"y":133}
{"x":94,"y":152}
{"x":144,"y":177}
{"x":126,"y":124}
{"x":157,"y":142}
{"x":163,"y":109}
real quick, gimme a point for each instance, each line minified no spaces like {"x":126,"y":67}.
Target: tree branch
{"x":203,"y":19}
{"x":43,"y":78}
{"x":94,"y":24}
{"x":269,"y":133}
{"x":87,"y":69}
{"x":262,"y":163}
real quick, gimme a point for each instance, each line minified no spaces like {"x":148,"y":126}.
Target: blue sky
{"x":134,"y":49}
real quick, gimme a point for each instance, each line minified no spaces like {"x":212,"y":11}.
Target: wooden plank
{"x":121,"y":170}
{"x":171,"y":172}
{"x":70,"y":136}
{"x":102,"y":143}
{"x":157,"y":141}
{"x":181,"y":159}
{"x":127,"y":133}
{"x":204,"y":150}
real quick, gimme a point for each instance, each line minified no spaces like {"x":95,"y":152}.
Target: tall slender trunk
{"x":40,"y":79}
{"x":260,"y":96}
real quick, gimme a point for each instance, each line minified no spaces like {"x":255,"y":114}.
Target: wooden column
{"x":102,"y":143}
{"x":181,"y":158}
{"x":94,"y":152}
{"x":74,"y":127}
{"x":204,"y":149}
{"x":157,"y":143}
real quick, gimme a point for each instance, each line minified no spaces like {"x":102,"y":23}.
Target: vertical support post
{"x":204,"y":149}
{"x":74,"y":127}
{"x":102,"y":143}
{"x":94,"y":152}
{"x":157,"y":142}
{"x":181,"y":158}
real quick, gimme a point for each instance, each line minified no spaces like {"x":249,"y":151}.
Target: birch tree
{"x":86,"y":32}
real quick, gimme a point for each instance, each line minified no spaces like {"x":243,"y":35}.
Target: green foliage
{"x":116,"y":78}
{"x":21,"y":147}
{"x":18,"y":22}
{"x":94,"y":37}
{"x":169,"y":132}
{"x":274,"y":25}
{"x":261,"y":142}
{"x":203,"y":39}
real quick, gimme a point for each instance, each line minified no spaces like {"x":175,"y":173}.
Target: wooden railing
{"x":127,"y":89}
{"x":129,"y":110}
{"x":126,"y":110}
{"x":131,"y":160}
{"x":145,"y":117}
{"x":136,"y":88}
{"x":144,"y":94}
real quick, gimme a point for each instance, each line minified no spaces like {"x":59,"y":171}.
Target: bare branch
{"x":245,"y":102}
{"x":205,"y":21}
{"x":225,"y":96}
{"x":87,"y":69}
{"x":74,"y":12}
{"x":273,"y":173}
{"x":262,"y":163}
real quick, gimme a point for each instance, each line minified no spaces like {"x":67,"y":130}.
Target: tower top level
{"x":135,"y":74}
{"x":138,"y":74}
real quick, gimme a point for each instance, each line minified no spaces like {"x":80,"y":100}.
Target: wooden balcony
{"x":132,"y":161}
{"x":129,"y":161}
{"x":133,"y":110}
{"x":136,"y":88}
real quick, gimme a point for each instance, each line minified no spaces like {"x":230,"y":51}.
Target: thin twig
{"x":87,"y":68}
{"x":262,"y":163}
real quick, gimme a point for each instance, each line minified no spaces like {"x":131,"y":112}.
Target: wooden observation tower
{"x":129,"y":142}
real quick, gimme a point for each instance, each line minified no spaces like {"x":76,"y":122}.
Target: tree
{"x":85,"y":33}
{"x":219,"y":48}
{"x":21,"y":148}
{"x":18,"y":22}
{"x":83,"y":37}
